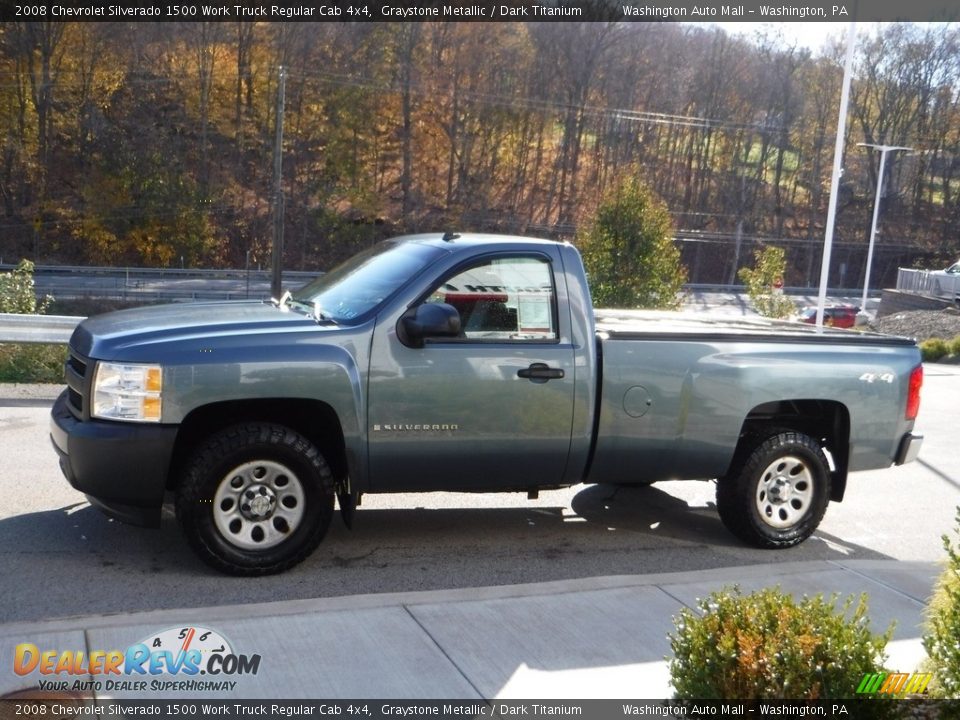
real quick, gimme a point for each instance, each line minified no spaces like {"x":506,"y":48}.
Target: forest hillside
{"x":153,"y":143}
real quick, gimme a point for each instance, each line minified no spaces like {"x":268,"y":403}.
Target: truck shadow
{"x":656,"y":513}
{"x":650,"y":510}
{"x":103,"y":566}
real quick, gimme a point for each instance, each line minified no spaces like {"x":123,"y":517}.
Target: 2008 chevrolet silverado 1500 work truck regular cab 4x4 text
{"x":463,"y":363}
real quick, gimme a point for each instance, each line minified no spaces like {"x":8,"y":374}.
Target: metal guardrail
{"x":205,"y":273}
{"x":925,"y":282}
{"x":150,"y":285}
{"x":39,"y":329}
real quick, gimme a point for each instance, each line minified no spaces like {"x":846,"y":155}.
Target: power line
{"x":517,"y":102}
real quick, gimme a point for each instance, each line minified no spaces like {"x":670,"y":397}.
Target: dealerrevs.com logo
{"x":170,"y":660}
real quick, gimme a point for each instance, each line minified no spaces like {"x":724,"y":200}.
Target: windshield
{"x":357,"y":286}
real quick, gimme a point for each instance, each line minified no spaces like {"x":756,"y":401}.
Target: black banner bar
{"x":193,"y":709}
{"x":752,"y":11}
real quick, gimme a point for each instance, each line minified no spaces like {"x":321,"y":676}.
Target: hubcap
{"x":785,"y":492}
{"x":258,"y":502}
{"x":258,"y":505}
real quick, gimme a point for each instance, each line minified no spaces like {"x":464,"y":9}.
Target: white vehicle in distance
{"x":946,"y":283}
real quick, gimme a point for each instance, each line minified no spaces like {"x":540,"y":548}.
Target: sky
{"x":811,"y":35}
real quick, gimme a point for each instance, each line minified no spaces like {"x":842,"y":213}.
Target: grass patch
{"x":32,"y":363}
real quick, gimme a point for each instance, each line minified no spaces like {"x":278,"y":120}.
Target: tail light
{"x":913,"y":393}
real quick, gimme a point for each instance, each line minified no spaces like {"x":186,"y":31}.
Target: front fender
{"x":302,"y":368}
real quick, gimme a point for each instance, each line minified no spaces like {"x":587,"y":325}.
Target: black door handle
{"x":540,"y":373}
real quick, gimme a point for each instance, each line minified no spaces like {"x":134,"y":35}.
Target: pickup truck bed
{"x":698,"y":372}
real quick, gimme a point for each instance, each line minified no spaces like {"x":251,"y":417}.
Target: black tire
{"x":777,"y":491}
{"x":255,"y":499}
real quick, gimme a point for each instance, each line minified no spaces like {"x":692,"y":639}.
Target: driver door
{"x":491,"y":409}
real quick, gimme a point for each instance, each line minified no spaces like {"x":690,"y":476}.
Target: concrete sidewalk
{"x":600,"y":637}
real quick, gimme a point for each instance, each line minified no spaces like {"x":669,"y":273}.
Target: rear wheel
{"x":256,"y":499}
{"x":777,"y":492}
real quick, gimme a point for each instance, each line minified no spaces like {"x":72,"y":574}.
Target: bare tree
{"x":574,"y":52}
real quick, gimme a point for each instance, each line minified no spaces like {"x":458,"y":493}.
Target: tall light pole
{"x":884,"y":149}
{"x":276,"y":282}
{"x":837,"y":170}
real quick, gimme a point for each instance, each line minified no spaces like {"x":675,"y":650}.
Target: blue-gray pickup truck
{"x":463,"y":363}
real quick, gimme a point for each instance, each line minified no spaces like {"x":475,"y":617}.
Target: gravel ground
{"x":921,"y":324}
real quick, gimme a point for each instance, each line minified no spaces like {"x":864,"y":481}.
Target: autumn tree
{"x":142,"y":142}
{"x":574,"y":52}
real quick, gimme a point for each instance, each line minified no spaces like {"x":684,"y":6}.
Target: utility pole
{"x":884,"y":149}
{"x":276,"y":282}
{"x":736,"y":253}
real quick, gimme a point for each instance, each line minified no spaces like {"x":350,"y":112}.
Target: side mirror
{"x":429,"y":320}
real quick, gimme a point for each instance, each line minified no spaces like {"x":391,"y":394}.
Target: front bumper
{"x":121,"y":467}
{"x":909,"y":448}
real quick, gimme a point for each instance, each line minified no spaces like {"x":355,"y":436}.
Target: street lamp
{"x":835,"y":177}
{"x":884,"y":149}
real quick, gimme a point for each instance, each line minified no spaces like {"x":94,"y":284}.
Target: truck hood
{"x":105,"y":336}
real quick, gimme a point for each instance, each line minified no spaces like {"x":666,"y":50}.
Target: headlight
{"x":127,"y":392}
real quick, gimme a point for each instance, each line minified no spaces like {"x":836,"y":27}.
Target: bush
{"x":934,"y":349}
{"x":629,"y":253}
{"x":942,"y":639}
{"x":17,"y":293}
{"x":762,"y":280}
{"x":953,"y":347}
{"x":32,"y":363}
{"x":766,"y":646}
{"x":27,"y":363}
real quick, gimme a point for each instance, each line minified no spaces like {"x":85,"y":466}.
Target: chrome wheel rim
{"x":258,"y":505}
{"x":785,"y":492}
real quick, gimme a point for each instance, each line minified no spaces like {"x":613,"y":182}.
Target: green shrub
{"x":766,"y":646}
{"x":942,"y":639}
{"x":17,"y":293}
{"x":764,"y":283}
{"x":934,"y":349}
{"x":32,"y":363}
{"x":629,"y":252}
{"x":953,"y":347}
{"x":27,"y":363}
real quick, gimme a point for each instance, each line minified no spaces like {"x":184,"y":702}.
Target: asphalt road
{"x":59,"y":557}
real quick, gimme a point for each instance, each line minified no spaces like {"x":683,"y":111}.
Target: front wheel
{"x":256,"y":499}
{"x":776,"y":494}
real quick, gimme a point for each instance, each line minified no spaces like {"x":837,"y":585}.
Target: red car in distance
{"x":841,"y":316}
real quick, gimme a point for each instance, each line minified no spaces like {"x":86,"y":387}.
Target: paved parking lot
{"x":59,"y":557}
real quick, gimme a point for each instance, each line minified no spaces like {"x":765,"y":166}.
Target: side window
{"x":510,"y":298}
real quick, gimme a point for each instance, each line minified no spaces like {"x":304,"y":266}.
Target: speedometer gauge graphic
{"x":185,"y":638}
